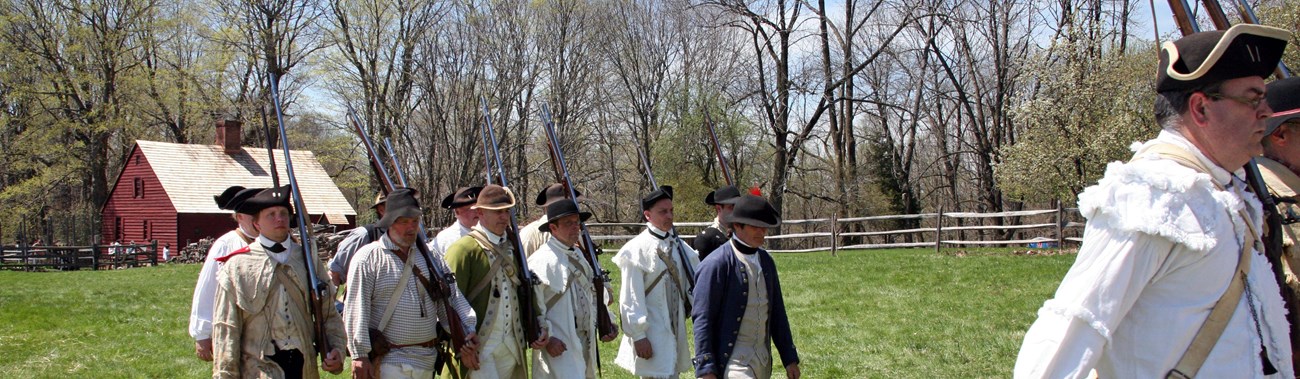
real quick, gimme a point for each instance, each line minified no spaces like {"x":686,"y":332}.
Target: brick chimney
{"x":229,"y":133}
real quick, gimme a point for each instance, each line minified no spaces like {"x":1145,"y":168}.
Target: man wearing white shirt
{"x":655,"y":293}
{"x":1166,"y":231}
{"x":461,"y":205}
{"x":206,"y":288}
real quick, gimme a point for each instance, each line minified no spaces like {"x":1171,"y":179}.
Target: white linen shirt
{"x":1159,"y":249}
{"x":205,"y":290}
{"x":447,"y":237}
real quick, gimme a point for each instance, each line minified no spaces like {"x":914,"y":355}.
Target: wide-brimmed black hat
{"x":663,"y":192}
{"x":560,"y":209}
{"x":755,"y":211}
{"x":224,"y":198}
{"x":236,"y":201}
{"x":723,"y":195}
{"x":1284,"y":97}
{"x":494,"y":197}
{"x":266,"y":198}
{"x":1210,"y":57}
{"x":402,"y":202}
{"x":553,"y":192}
{"x":464,"y":196}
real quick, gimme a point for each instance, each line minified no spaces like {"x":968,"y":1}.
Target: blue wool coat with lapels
{"x":720,"y":298}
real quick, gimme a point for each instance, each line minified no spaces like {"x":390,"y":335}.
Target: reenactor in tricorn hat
{"x":1170,"y":256}
{"x":654,"y":296}
{"x":531,"y":235}
{"x":386,"y":294}
{"x":206,"y":288}
{"x":262,"y":326}
{"x":740,"y":312}
{"x":487,"y":274}
{"x":356,"y":238}
{"x":712,"y":237}
{"x":460,"y":203}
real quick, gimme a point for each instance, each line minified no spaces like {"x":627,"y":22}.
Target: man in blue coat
{"x":739,"y":311}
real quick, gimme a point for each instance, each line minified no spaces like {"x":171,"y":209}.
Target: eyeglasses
{"x":1252,"y":103}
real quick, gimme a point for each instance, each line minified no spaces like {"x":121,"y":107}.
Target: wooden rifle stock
{"x":604,"y":322}
{"x":529,"y":317}
{"x":722,"y":159}
{"x":318,"y":291}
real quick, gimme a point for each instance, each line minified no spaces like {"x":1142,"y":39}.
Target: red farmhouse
{"x":165,"y":190}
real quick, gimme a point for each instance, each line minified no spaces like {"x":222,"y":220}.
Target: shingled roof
{"x":192,"y":174}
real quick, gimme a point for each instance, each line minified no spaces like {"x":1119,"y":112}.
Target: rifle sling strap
{"x":1208,"y":335}
{"x":397,"y":292}
{"x":492,"y":270}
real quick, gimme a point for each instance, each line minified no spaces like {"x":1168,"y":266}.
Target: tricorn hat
{"x":553,"y":192}
{"x":494,"y":197}
{"x":1215,"y":56}
{"x":266,"y":198}
{"x":402,"y":202}
{"x":755,"y":211}
{"x":560,"y":209}
{"x":224,"y":198}
{"x":1284,"y":97}
{"x":380,"y":198}
{"x":462,"y":197}
{"x":663,"y":192}
{"x":723,"y":195}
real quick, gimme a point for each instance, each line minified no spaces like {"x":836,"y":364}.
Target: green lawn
{"x":864,"y":314}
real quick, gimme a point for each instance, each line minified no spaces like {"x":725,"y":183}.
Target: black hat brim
{"x":546,"y":227}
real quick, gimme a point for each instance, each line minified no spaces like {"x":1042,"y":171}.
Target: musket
{"x":440,"y":288}
{"x":319,"y":290}
{"x":722,"y":160}
{"x":1272,"y":236}
{"x":376,"y":164}
{"x":604,"y":323}
{"x":529,"y":318}
{"x":681,"y":252}
{"x":270,"y":147}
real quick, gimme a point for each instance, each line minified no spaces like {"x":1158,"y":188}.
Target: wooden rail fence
{"x":1033,"y":229}
{"x":94,"y":257}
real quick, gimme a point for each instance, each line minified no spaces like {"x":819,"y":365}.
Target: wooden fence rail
{"x":951,"y":229}
{"x":94,"y":257}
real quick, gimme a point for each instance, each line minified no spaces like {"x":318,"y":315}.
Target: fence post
{"x":1060,"y":227}
{"x":94,"y":256}
{"x":938,"y":230}
{"x":153,"y":252}
{"x":835,"y":233}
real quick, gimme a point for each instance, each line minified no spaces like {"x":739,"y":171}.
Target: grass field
{"x":864,"y":314}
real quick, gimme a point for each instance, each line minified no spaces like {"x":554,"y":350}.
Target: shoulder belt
{"x":492,"y":270}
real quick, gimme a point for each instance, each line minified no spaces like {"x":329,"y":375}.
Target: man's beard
{"x":402,"y":241}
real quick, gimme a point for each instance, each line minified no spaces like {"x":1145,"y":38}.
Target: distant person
{"x":739,"y":309}
{"x":1280,"y":168}
{"x":355,"y":239}
{"x":167,"y":252}
{"x":205,"y":289}
{"x":722,"y":200}
{"x":1170,"y":255}
{"x":461,"y":204}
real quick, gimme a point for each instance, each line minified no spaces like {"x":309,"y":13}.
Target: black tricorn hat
{"x":553,"y":192}
{"x":239,"y":198}
{"x":463,"y":197}
{"x":402,"y":202}
{"x":266,"y":198}
{"x":560,"y":209}
{"x":224,"y":198}
{"x":723,"y":195}
{"x":664,"y":192}
{"x":755,"y":211}
{"x":1284,"y":97}
{"x":1210,"y":57}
